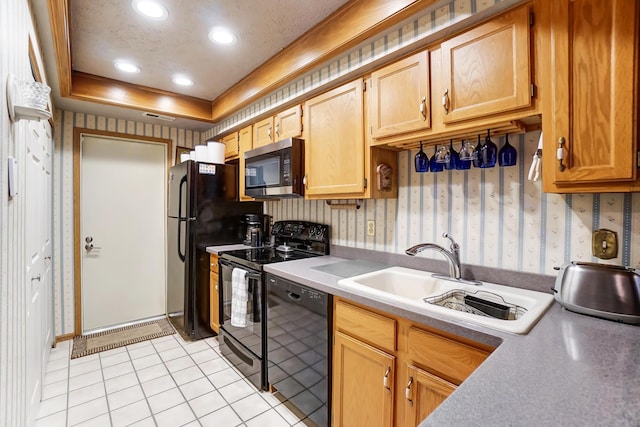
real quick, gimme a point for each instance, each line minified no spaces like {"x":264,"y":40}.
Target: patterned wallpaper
{"x":498,"y":217}
{"x":65,"y":122}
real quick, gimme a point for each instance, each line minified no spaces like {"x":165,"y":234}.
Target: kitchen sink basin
{"x":496,"y":306}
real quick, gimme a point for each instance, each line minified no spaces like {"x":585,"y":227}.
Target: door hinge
{"x":364,"y":85}
{"x":371,"y":130}
{"x":532,"y":20}
{"x":301,"y":127}
{"x":638,"y":159}
{"x":533,"y":90}
{"x":364,"y":182}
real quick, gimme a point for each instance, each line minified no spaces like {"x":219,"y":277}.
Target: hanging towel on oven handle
{"x":239,"y":297}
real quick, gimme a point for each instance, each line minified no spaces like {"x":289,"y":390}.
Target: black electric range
{"x":244,"y":343}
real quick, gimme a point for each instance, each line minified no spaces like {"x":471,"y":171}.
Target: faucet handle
{"x":454,"y":245}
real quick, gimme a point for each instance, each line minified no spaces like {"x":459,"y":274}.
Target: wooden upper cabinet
{"x":399,"y":97}
{"x":593,"y":102}
{"x":288,"y":123}
{"x":423,"y":393}
{"x":363,"y":384}
{"x":245,"y":138}
{"x":263,"y":132}
{"x":231,"y":149}
{"x":487,"y":69}
{"x":334,"y":142}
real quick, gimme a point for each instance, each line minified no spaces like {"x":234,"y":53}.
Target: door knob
{"x":89,"y":246}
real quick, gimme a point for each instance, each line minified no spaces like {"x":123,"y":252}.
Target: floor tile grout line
{"x":104,"y":385}
{"x":135,"y":372}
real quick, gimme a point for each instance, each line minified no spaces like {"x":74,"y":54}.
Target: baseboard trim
{"x":61,"y":338}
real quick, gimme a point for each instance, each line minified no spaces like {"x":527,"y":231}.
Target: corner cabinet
{"x":388,"y":371}
{"x":592,"y":108}
{"x":339,"y":163}
{"x":214,"y":298}
{"x":487,"y":70}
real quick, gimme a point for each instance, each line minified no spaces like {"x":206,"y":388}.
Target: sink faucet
{"x":453,"y":256}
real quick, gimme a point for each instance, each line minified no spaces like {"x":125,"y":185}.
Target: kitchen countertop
{"x":216,"y":250}
{"x":569,"y":370}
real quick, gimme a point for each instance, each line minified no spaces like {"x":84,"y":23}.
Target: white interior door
{"x":38,"y":213}
{"x":123,"y":223}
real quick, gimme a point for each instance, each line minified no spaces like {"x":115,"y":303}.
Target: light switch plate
{"x":371,"y":227}
{"x":605,"y":244}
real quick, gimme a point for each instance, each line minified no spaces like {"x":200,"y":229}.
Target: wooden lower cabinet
{"x":214,"y":314}
{"x":424,"y":392}
{"x":389,"y":371}
{"x":362,"y":384}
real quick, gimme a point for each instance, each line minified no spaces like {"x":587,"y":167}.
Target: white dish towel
{"x":239,"y":297}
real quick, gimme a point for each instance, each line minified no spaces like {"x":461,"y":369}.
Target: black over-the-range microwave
{"x":275,"y":170}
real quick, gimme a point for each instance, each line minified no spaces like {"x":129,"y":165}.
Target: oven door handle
{"x":250,"y":275}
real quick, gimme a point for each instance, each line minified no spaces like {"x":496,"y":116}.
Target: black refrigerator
{"x":203,"y":211}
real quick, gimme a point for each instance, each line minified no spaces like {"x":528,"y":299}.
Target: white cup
{"x":216,"y":152}
{"x":184,"y":157}
{"x":202,"y":155}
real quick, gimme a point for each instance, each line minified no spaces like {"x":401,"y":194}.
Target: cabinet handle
{"x":269,"y":132}
{"x":304,"y":181}
{"x":560,"y":154}
{"x":385,"y":380}
{"x":407,"y":391}
{"x":36,"y":278}
{"x":445,"y":101}
{"x":423,"y":108}
{"x":278,"y":129}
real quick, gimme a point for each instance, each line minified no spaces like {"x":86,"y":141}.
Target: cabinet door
{"x":362,"y":384}
{"x":487,"y":69}
{"x":423,"y":393}
{"x":594,"y":92}
{"x":334,"y":142}
{"x":288,"y":123}
{"x":231,"y":148}
{"x":399,"y":98}
{"x":263,"y":132}
{"x":245,"y":136}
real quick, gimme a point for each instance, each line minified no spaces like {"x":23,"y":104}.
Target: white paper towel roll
{"x":192,"y":155}
{"x":184,"y":157}
{"x":202,"y":155}
{"x":216,"y":152}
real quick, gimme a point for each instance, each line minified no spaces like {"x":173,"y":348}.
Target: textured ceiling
{"x":105,"y":30}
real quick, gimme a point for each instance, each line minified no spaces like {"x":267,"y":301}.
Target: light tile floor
{"x":162,"y":382}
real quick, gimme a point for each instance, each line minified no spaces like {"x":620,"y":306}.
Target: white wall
{"x":15,"y":28}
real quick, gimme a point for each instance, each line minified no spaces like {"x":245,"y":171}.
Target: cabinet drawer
{"x":214,"y":264}
{"x":373,"y":328}
{"x":452,"y":360}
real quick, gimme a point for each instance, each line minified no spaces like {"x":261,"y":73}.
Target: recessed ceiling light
{"x":127,"y":67}
{"x":182,"y":80}
{"x":150,"y":9}
{"x":221,"y":36}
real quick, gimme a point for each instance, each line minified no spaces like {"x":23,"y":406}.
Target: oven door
{"x":250,"y":336}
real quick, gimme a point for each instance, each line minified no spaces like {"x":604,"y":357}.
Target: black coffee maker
{"x":257,"y":229}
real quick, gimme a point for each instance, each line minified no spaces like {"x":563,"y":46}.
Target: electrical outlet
{"x":371,"y":228}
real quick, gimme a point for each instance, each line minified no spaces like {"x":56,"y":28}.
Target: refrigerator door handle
{"x":181,"y":255}
{"x":183,"y":182}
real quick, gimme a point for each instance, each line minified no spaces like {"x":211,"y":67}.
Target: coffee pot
{"x":253,"y":225}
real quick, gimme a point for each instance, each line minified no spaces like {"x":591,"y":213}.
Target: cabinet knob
{"x":423,"y":108}
{"x":269,"y":132}
{"x":407,"y":391}
{"x":445,"y":101}
{"x":561,"y":153}
{"x":304,"y":181}
{"x":385,"y":379}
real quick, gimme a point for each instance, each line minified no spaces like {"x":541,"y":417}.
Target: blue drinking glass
{"x":465,"y":156}
{"x":477,"y":160}
{"x":488,"y":153}
{"x":434,"y":165}
{"x":507,"y":156}
{"x":421,"y":160}
{"x":454,"y":157}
